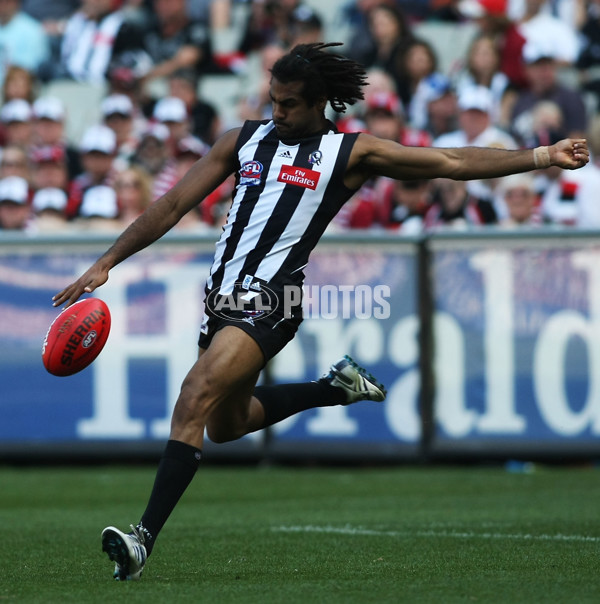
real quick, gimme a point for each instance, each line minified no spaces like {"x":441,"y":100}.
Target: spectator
{"x":421,"y":82}
{"x":49,"y":207}
{"x":126,"y":72}
{"x":172,"y":112}
{"x":15,"y":212}
{"x":19,"y":83}
{"x":49,"y":131}
{"x":53,"y":16}
{"x":482,"y":68}
{"x":133,"y":187}
{"x":476,"y":130}
{"x":402,"y":205}
{"x":588,"y":211}
{"x":533,"y":24}
{"x":384,"y":117}
{"x":117,"y":112}
{"x":98,"y":147}
{"x":356,"y":15}
{"x":538,"y":27}
{"x":16,"y":117}
{"x":93,"y":36}
{"x":390,"y":36}
{"x":204,"y":119}
{"x":571,"y":12}
{"x":544,"y":85}
{"x":99,"y":210}
{"x":14,"y":162}
{"x":452,"y":207}
{"x":441,"y":107}
{"x":49,"y":168}
{"x":155,"y":156}
{"x":173,"y":41}
{"x":187,"y":152}
{"x":494,"y":18}
{"x":22,"y":39}
{"x":125,"y":77}
{"x":561,"y":200}
{"x":589,"y":57}
{"x":571,"y":200}
{"x":268,"y":23}
{"x":306,"y":26}
{"x":379,"y":81}
{"x":519,"y":201}
{"x":475,"y":105}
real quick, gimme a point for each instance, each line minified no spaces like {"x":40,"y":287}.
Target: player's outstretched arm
{"x":204,"y":176}
{"x":373,"y":156}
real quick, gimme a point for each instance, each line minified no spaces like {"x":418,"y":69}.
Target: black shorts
{"x":271,"y":329}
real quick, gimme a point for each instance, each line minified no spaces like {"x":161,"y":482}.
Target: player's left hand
{"x":570,"y":153}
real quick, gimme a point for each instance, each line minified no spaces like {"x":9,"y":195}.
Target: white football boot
{"x":127,"y":550}
{"x":358,"y":383}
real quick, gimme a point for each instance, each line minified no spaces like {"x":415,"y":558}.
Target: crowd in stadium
{"x":530,"y":76}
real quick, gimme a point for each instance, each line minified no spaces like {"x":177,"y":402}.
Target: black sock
{"x":284,"y":400}
{"x":176,"y":469}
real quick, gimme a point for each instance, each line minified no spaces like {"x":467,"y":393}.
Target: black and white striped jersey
{"x":285,"y":196}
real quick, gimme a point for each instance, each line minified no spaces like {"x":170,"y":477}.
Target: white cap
{"x":99,"y":201}
{"x":117,"y":103}
{"x":50,"y":198}
{"x":192,"y":145}
{"x":170,"y":109}
{"x":475,"y":97}
{"x":99,"y":138}
{"x":517,"y":181}
{"x":158,"y":131}
{"x":16,"y":110}
{"x":49,"y":108}
{"x":474,"y":9}
{"x":537,"y":50}
{"x":14,"y":188}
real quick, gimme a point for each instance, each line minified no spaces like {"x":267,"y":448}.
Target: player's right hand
{"x":94,"y":277}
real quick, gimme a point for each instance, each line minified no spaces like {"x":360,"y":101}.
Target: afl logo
{"x":250,"y":173}
{"x":89,"y":339}
{"x":242,"y":304}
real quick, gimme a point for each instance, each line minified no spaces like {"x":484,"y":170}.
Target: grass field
{"x":330,"y":535}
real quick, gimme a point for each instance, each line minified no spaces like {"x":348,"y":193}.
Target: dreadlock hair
{"x":327,"y":74}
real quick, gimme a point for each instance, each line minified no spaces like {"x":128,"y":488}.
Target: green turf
{"x":284,"y":535}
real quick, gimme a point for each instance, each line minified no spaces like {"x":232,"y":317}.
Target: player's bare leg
{"x":227,"y":370}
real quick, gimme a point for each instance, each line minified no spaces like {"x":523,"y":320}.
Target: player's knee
{"x":222,"y":432}
{"x":219,"y":434}
{"x":227,"y":423}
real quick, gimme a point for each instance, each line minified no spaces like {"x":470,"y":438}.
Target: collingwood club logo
{"x":315,"y":158}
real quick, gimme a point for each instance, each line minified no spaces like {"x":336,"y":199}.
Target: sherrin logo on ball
{"x":76,"y":337}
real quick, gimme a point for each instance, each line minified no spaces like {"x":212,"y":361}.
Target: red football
{"x":76,"y":337}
